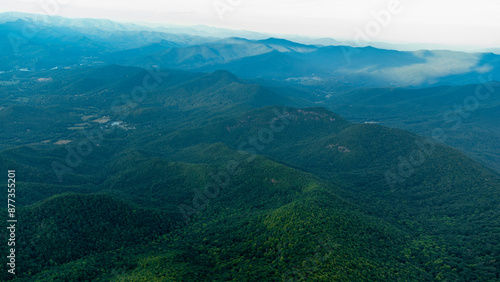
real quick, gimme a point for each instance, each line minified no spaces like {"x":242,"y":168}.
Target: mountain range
{"x":152,"y":156}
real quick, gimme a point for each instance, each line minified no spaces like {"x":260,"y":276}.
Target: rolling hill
{"x":318,"y":204}
{"x":151,"y":155}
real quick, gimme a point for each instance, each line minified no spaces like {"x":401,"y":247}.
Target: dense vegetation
{"x":202,"y":177}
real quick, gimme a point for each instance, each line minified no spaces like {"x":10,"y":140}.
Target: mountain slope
{"x":278,"y":229}
{"x":467,"y":115}
{"x":250,"y":217}
{"x":60,"y":42}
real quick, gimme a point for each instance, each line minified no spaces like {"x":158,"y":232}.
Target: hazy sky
{"x":456,"y":22}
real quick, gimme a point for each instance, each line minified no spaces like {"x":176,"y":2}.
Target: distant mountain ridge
{"x":206,"y":31}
